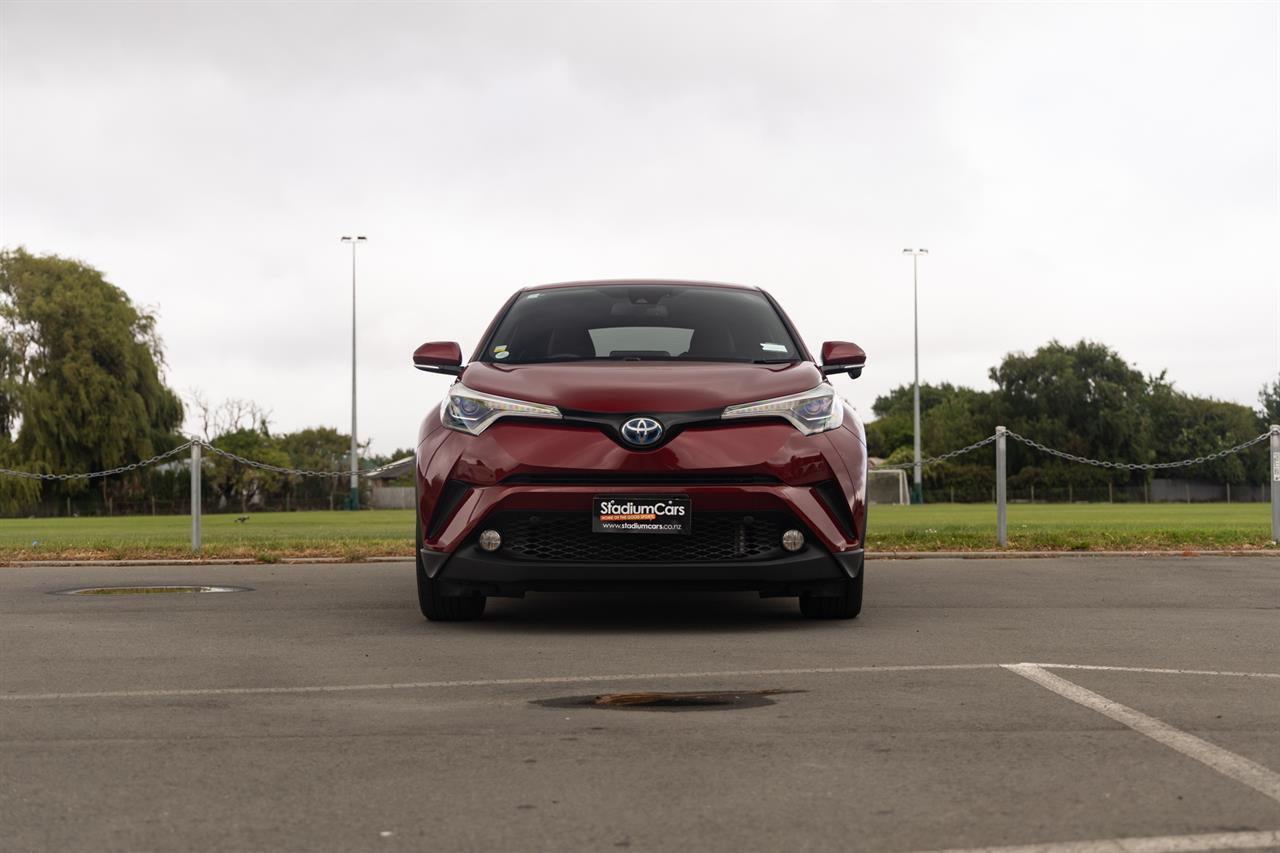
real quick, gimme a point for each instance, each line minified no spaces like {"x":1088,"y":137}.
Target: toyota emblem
{"x":642,"y":432}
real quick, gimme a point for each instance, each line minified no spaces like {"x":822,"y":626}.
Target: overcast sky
{"x":1101,"y":171}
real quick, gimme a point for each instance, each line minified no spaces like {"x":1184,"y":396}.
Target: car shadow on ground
{"x":639,"y":612}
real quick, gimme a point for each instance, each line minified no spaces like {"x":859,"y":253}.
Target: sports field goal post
{"x":887,"y":486}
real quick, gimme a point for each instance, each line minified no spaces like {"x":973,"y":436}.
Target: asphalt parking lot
{"x":320,"y":712}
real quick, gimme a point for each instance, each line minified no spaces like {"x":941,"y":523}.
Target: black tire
{"x":844,"y":606}
{"x":436,"y":606}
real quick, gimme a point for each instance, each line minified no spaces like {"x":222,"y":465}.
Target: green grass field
{"x":265,"y":536}
{"x":940,"y":527}
{"x":1072,"y":527}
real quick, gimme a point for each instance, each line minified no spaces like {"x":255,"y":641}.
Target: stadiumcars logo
{"x":670,"y":514}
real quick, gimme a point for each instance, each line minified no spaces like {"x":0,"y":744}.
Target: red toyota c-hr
{"x":635,"y":434}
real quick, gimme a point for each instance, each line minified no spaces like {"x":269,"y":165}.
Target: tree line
{"x":83,"y":388}
{"x":1084,"y":399}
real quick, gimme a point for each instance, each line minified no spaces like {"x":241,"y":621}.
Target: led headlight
{"x":815,"y":410}
{"x":472,"y":411}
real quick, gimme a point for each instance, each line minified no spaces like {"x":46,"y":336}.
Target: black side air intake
{"x":450,"y":496}
{"x":832,"y":496}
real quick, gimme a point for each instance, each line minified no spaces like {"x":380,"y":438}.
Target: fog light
{"x":490,"y":540}
{"x":793,"y":540}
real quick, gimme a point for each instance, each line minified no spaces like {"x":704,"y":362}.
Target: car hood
{"x":657,"y":386}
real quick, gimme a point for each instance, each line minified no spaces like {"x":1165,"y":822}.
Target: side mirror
{"x":843,"y":357}
{"x":439,"y":357}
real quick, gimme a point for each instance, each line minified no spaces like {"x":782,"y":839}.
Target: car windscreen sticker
{"x":500,"y":351}
{"x":773,"y":347}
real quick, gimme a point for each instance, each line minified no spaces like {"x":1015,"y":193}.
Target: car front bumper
{"x":761,"y":467}
{"x":754,"y":474}
{"x":813,"y":571}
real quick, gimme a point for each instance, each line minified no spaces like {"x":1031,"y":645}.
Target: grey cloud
{"x":1077,"y":170}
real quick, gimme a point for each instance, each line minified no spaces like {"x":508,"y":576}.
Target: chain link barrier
{"x":942,"y":458}
{"x":32,"y":475}
{"x":370,"y":472}
{"x":252,"y":463}
{"x":1138,"y":466}
{"x":1085,"y":460}
{"x":299,"y":472}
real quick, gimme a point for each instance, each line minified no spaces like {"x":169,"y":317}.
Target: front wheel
{"x":446,"y":608}
{"x":847,"y":605}
{"x":435,"y":605}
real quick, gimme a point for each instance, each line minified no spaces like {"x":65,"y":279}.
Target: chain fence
{"x":186,"y":446}
{"x":371,"y":472}
{"x":300,"y":472}
{"x":92,"y":475}
{"x":1138,"y":466}
{"x":1084,"y":460}
{"x":1000,"y":490}
{"x":941,"y":457}
{"x":196,"y":445}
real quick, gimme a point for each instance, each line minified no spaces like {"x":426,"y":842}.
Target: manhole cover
{"x":719,"y":700}
{"x":147,"y":590}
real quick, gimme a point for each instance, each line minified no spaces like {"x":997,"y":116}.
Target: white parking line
{"x":587,"y":679}
{"x":1159,"y":844}
{"x":484,"y":682}
{"x":1261,"y":779}
{"x":1155,"y":670}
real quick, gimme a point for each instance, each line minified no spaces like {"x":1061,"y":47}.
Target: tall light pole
{"x":917,"y":489}
{"x":355,"y":464}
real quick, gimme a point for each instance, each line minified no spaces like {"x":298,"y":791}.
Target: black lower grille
{"x":568,"y":538}
{"x":617,"y":478}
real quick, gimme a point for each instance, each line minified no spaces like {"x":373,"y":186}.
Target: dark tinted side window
{"x":640,"y":322}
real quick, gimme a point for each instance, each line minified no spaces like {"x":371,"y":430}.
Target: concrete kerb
{"x":223,"y":561}
{"x":1040,"y":555}
{"x":880,"y":555}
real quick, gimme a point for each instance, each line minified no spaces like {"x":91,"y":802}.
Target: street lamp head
{"x":354,"y":239}
{"x":915,"y":251}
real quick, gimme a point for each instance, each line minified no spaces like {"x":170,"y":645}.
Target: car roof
{"x":635,"y":281}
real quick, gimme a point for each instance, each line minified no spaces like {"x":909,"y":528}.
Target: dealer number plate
{"x":663,"y":514}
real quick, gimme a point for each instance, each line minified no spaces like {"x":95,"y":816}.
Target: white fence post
{"x":1002,"y":531}
{"x":195,"y":496}
{"x":1275,"y":482}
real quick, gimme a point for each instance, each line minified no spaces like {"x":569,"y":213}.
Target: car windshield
{"x":649,"y":322}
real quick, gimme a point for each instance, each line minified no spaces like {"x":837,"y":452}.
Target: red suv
{"x":635,"y":434}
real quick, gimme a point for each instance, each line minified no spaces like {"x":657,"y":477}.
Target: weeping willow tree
{"x":15,"y":493}
{"x":81,"y":377}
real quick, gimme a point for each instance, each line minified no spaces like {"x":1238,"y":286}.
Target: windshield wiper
{"x":775,"y":361}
